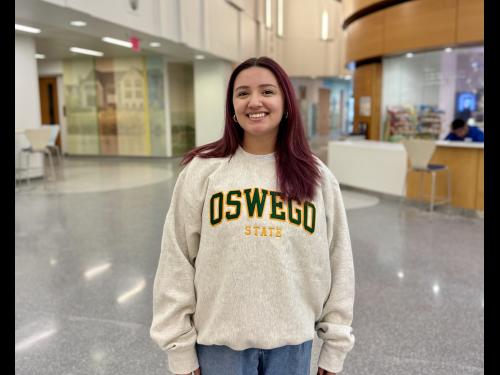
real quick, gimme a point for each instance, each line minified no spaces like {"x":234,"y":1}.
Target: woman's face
{"x":258,"y":102}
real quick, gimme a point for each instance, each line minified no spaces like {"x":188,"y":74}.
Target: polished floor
{"x":87,"y":248}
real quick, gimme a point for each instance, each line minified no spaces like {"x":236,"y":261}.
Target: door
{"x":49,"y":106}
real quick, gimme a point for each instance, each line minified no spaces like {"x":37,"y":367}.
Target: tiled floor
{"x":87,"y":250}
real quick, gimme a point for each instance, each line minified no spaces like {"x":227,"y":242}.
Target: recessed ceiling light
{"x":409,"y":55}
{"x":86,"y":51}
{"x":154,"y":44}
{"x":199,"y":57}
{"x":78,"y":23}
{"x":27,"y":29}
{"x":448,"y":49}
{"x":118,"y":42}
{"x":39,"y":56}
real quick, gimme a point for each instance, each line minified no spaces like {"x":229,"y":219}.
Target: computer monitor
{"x":465,"y":104}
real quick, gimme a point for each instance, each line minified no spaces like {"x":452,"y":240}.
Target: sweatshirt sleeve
{"x":174,"y":299}
{"x":334,"y":325}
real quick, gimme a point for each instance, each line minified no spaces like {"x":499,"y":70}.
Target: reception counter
{"x":382,"y":167}
{"x":466,"y":163}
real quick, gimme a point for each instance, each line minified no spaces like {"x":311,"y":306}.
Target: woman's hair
{"x":297,"y":170}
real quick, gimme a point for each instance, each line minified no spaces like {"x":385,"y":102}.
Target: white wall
{"x":27,"y":97}
{"x":305,"y":54}
{"x":192,"y":23}
{"x":222,"y":30}
{"x":145,"y":18}
{"x":210,"y":83}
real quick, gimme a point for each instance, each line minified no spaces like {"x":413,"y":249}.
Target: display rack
{"x":429,"y":122}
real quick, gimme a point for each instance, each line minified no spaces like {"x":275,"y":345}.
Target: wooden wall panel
{"x":466,"y":166}
{"x":365,"y":37}
{"x":480,"y":182}
{"x":368,"y":82}
{"x":470,"y":21}
{"x":419,"y":24}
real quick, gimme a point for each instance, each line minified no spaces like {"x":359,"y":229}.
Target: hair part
{"x":297,"y":170}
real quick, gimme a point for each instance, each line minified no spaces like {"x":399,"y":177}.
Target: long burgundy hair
{"x":297,"y":171}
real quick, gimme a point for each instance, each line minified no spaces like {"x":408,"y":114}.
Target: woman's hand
{"x":324,"y":372}
{"x":196,"y":372}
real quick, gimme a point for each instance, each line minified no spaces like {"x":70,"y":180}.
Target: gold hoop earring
{"x":234,"y":118}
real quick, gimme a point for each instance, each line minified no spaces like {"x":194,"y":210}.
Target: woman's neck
{"x":259,"y":145}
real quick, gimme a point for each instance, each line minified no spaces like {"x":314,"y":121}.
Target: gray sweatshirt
{"x":241,"y":267}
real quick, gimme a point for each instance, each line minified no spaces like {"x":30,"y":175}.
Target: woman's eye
{"x":268,"y":92}
{"x":241,"y":93}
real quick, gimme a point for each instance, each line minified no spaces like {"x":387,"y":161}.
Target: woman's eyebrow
{"x":247,"y":87}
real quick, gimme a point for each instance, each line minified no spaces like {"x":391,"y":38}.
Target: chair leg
{"x":421,"y":187}
{"x":59,"y":159}
{"x":433,"y":189}
{"x":28,"y":154}
{"x":449,"y":186}
{"x":403,"y":193}
{"x":51,"y":162}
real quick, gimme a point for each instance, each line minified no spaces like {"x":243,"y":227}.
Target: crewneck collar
{"x":270,"y":156}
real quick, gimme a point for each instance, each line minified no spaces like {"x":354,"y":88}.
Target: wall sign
{"x":365,"y":105}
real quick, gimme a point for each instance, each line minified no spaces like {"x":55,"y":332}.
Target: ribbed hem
{"x":330,"y":359}
{"x":183,"y":362}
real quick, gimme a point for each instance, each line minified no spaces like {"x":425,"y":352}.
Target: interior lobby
{"x":124,"y":89}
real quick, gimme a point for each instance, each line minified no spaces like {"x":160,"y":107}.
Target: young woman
{"x":256,"y":255}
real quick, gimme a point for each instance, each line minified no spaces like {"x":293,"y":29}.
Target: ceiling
{"x":57,"y":35}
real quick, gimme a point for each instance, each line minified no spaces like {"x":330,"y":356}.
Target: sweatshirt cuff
{"x":331,"y":359}
{"x":183,"y":362}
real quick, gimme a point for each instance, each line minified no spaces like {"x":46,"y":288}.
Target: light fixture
{"x":324,"y":25}
{"x":409,"y":55}
{"x":118,"y":42}
{"x":86,"y":51}
{"x":199,"y":57}
{"x":347,"y":77}
{"x":448,"y":49}
{"x":39,"y":56}
{"x":268,"y":14}
{"x":155,"y":44}
{"x":280,"y":18}
{"x":78,"y":23}
{"x":401,"y":274}
{"x":27,"y":29}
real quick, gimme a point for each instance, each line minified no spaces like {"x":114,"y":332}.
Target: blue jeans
{"x":285,"y":360}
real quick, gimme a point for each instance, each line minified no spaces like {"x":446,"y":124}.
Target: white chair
{"x":39,"y":140}
{"x":419,"y":153}
{"x":52,"y":141}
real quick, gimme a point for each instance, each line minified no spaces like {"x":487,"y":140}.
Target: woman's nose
{"x":255,"y":101}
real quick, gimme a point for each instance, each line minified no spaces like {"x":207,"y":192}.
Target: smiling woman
{"x":256,"y":254}
{"x":258,"y":103}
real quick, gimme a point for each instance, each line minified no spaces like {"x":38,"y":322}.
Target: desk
{"x":381,"y":167}
{"x":369,"y":165}
{"x":466,"y":163}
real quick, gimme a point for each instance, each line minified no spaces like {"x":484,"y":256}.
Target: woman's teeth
{"x":256,"y":115}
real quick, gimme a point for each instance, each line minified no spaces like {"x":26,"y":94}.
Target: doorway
{"x":49,"y":105}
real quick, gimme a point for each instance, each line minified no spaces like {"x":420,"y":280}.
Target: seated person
{"x":461,"y":131}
